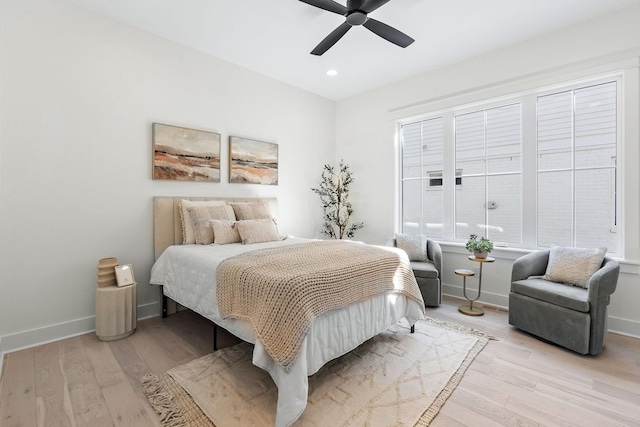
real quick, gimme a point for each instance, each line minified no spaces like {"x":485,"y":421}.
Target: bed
{"x":187,"y":276}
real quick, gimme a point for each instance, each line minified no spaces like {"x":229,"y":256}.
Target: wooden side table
{"x":471,"y":310}
{"x":116,"y":312}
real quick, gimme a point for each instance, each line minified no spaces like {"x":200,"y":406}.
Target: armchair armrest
{"x":604,"y":281}
{"x":533,"y":264}
{"x":434,"y":253}
{"x":601,"y":285}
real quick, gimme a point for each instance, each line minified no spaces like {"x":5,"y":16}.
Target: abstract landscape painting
{"x":185,"y":154}
{"x":252,"y":162}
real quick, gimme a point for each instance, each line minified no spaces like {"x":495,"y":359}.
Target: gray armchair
{"x":569,"y":316}
{"x":428,"y":273}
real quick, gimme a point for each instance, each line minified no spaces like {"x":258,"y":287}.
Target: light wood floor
{"x":515,"y":381}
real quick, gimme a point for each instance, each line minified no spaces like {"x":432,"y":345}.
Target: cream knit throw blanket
{"x":280,"y":290}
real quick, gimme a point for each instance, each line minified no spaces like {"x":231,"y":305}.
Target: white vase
{"x":481,"y":255}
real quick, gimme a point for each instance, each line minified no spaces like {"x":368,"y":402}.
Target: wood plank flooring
{"x":516,"y":380}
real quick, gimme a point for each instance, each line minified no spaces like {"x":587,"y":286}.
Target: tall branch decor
{"x":334,"y":196}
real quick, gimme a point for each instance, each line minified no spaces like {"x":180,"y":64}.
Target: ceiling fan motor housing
{"x":356,"y":17}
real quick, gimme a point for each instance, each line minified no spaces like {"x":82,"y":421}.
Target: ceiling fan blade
{"x":331,"y":39}
{"x":329,"y":5}
{"x":371,"y":5}
{"x":388,"y":33}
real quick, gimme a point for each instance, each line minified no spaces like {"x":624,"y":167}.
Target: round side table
{"x":470,"y":309}
{"x":116,"y":312}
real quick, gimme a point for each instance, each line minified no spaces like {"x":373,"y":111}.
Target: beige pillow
{"x":574,"y":266}
{"x":415,"y":245}
{"x":188,"y":233}
{"x":224,"y":232}
{"x":200,"y":217}
{"x":258,"y":210}
{"x":258,"y":231}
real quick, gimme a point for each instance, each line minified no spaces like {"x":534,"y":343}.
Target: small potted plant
{"x":479,"y":247}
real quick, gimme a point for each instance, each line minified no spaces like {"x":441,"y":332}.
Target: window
{"x":539,"y":169}
{"x":488,"y":148}
{"x":577,"y":133}
{"x":422,"y":153}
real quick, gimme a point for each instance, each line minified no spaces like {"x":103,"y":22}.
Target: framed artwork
{"x":184,"y":154}
{"x":252,"y":162}
{"x":124,"y":275}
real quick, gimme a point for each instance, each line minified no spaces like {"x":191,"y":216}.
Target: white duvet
{"x":188,"y":274}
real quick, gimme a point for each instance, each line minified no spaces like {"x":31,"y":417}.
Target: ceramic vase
{"x":107,"y":272}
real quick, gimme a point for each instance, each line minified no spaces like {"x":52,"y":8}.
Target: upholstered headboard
{"x":167,"y":229}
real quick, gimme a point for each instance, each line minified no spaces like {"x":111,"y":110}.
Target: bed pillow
{"x":200,"y":217}
{"x":415,"y":245}
{"x":188,"y":233}
{"x":257,"y":210}
{"x":258,"y":231}
{"x":574,"y":266}
{"x":224,"y":232}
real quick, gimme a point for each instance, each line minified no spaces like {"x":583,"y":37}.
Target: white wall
{"x":79,"y":93}
{"x":365,"y":135}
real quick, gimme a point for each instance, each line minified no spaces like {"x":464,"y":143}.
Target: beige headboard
{"x":167,"y":229}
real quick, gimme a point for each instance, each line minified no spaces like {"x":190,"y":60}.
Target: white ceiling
{"x":275,"y":37}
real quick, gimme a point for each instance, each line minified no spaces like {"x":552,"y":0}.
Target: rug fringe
{"x":162,"y":401}
{"x":459,"y":328}
{"x":445,"y":393}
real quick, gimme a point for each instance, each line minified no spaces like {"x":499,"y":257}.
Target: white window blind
{"x":561,"y":165}
{"x":488,"y":149}
{"x":577,"y":187}
{"x":422,"y":153}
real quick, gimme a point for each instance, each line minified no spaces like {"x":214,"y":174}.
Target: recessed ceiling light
{"x":332,"y":73}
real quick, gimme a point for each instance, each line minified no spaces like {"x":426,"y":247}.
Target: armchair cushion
{"x":424,"y":269}
{"x":570,"y":297}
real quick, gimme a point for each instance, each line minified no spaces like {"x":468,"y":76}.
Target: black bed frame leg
{"x":164,"y":303}
{"x":215,"y":337}
{"x":413,"y":328}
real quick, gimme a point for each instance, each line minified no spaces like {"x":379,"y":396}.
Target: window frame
{"x":529,"y":204}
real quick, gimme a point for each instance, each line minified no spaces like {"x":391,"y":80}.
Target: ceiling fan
{"x":356,"y":13}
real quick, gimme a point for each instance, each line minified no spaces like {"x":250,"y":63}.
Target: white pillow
{"x":224,"y":232}
{"x":574,"y":266}
{"x":415,"y":245}
{"x":258,"y":231}
{"x":188,"y":233}
{"x":252,"y":210}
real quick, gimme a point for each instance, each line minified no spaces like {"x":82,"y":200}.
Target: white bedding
{"x":188,"y":275}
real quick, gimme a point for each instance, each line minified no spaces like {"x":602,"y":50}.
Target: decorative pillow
{"x":574,"y":266}
{"x":200,"y":217}
{"x":258,"y":231}
{"x":415,"y":245}
{"x":244,"y":211}
{"x":188,"y":233}
{"x":224,"y":232}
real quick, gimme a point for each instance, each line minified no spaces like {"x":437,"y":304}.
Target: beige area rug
{"x":394,"y":379}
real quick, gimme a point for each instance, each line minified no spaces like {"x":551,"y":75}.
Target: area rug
{"x":396,"y":378}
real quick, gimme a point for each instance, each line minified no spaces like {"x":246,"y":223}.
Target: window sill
{"x":626,"y":266}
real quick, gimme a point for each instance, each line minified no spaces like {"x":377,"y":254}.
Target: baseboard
{"x":57,"y":332}
{"x":488,"y":298}
{"x":617,"y":325}
{"x":629,"y":328}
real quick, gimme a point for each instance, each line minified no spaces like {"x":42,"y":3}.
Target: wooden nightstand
{"x":116,"y":311}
